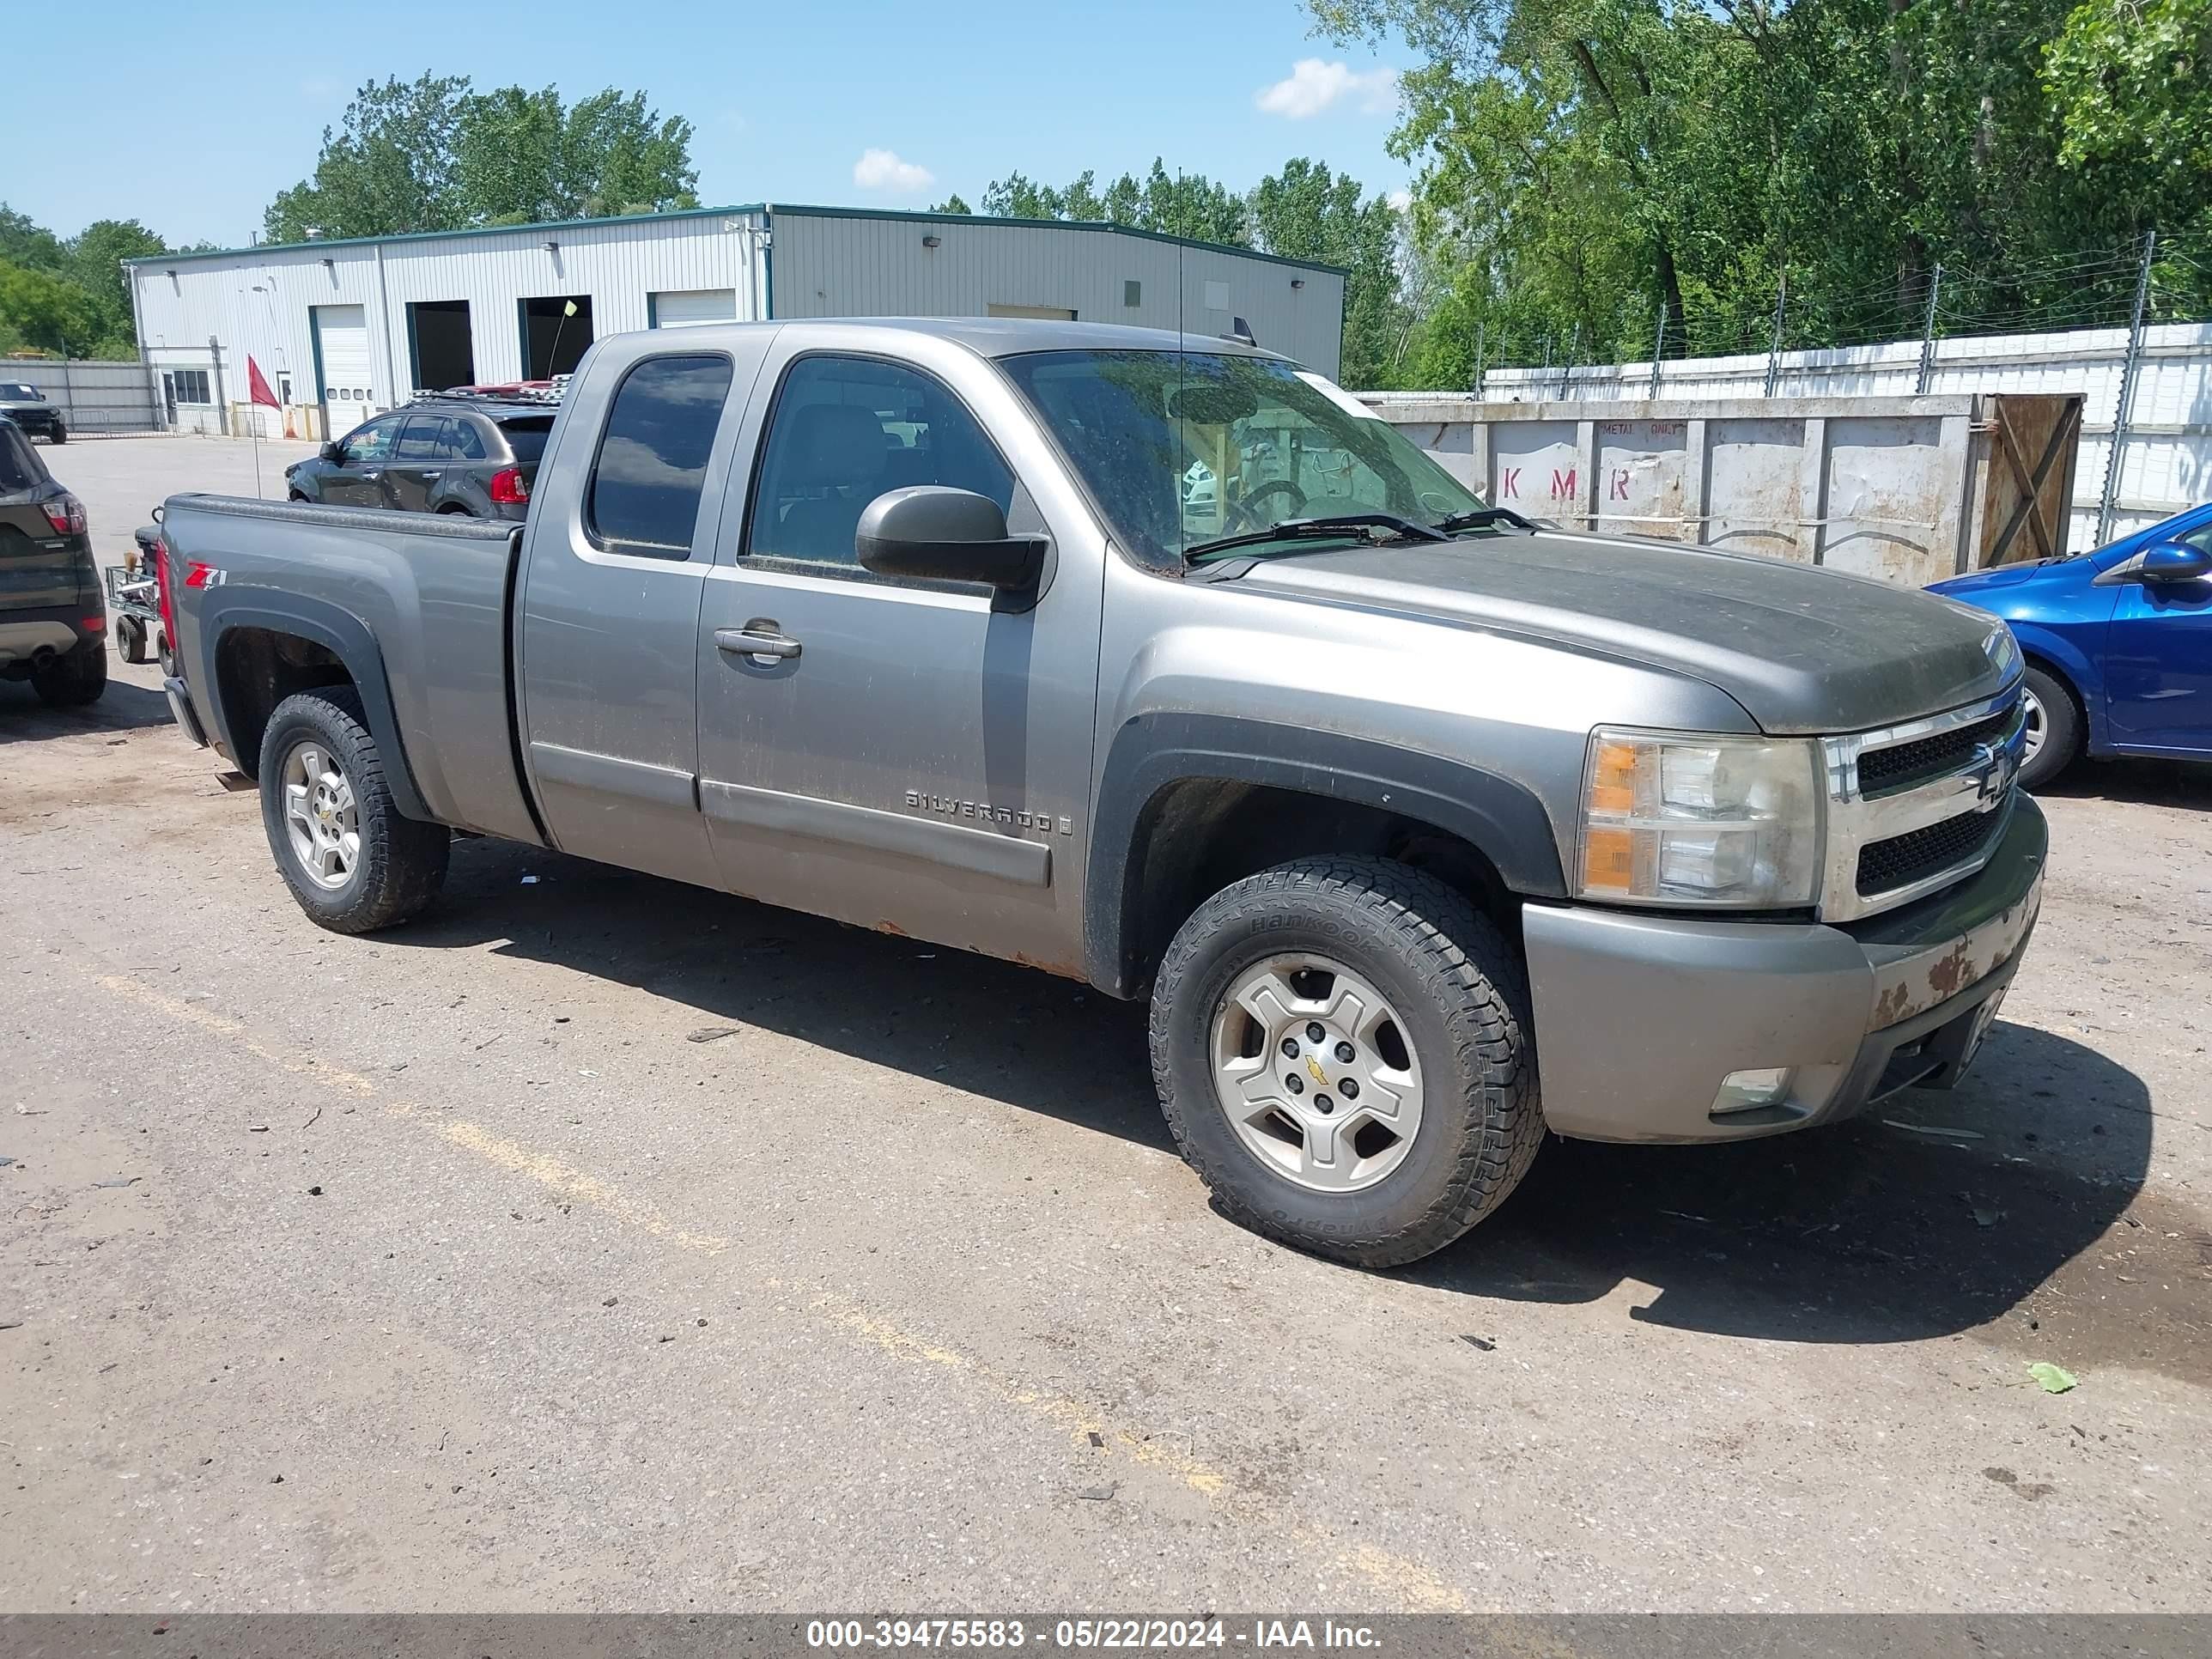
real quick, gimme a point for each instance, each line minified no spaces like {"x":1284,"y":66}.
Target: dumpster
{"x":1909,"y":489}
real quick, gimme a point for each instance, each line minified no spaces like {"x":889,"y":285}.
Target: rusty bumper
{"x":1640,"y":1019}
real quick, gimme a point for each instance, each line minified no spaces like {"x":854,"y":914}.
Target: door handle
{"x":756,"y":641}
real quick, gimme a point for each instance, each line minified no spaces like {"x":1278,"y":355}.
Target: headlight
{"x":2002,"y":651}
{"x":1676,"y":818}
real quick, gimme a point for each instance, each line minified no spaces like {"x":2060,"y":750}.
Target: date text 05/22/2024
{"x":1109,"y":1633}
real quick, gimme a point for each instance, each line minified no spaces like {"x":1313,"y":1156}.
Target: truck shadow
{"x":122,"y":708}
{"x":2018,"y":1205}
{"x":2014,"y":1205}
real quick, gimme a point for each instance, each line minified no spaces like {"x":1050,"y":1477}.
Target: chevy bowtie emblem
{"x":1319,"y":1077}
{"x":1997,"y":776}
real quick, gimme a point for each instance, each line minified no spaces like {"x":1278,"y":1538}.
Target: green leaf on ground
{"x":2055,"y":1379}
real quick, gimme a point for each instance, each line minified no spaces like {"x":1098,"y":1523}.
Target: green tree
{"x":83,"y":299}
{"x":1307,"y":212}
{"x":952,"y":203}
{"x":30,"y":246}
{"x":520,"y":156}
{"x":95,"y":257}
{"x":387,"y":169}
{"x":43,"y":312}
{"x":1583,"y":164}
{"x":1175,"y":204}
{"x":432,"y":154}
{"x":2131,"y":81}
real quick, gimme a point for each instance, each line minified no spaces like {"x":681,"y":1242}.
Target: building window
{"x":1132,"y":293}
{"x":187,"y":386}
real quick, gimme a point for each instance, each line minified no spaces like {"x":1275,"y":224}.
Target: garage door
{"x":342,"y":348}
{"x":691,"y":306}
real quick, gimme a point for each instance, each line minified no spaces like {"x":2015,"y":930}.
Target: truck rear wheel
{"x":1341,"y":1048}
{"x":351,"y":859}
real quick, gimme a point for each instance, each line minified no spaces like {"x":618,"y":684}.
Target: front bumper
{"x":1640,"y":1017}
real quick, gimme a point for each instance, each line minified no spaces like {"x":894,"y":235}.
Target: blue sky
{"x":198,"y":114}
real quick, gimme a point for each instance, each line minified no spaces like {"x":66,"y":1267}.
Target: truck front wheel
{"x":1341,"y":1048}
{"x":353,"y":862}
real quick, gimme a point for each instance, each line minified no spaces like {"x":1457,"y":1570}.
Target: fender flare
{"x":1150,"y":753}
{"x":2082,"y":673}
{"x":338,"y":631}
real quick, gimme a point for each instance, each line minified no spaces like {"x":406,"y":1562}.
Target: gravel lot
{"x":600,"y":1243}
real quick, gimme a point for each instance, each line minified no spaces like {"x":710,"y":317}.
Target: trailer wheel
{"x":353,"y":862}
{"x":130,"y":639}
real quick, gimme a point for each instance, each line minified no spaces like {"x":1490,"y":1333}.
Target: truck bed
{"x":428,"y":595}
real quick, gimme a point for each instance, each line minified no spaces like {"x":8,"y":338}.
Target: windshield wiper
{"x":1481,"y":518}
{"x":1334,"y":524}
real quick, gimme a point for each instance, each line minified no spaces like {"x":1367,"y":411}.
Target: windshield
{"x":1179,"y":448}
{"x":15,"y":392}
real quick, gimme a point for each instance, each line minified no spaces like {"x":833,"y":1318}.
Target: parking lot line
{"x":1412,"y":1585}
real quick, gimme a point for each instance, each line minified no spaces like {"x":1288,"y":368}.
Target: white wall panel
{"x":842,"y":265}
{"x":259,"y":301}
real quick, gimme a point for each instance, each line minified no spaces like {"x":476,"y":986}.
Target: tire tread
{"x":405,"y":859}
{"x":1463,"y":962}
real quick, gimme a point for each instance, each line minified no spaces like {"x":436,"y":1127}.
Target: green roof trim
{"x":769,"y":209}
{"x":257,"y":248}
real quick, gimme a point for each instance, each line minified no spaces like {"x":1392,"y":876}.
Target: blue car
{"x":2118,"y":645}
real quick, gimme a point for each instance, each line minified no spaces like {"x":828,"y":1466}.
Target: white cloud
{"x":884,"y":169}
{"x":1312,"y":85}
{"x":1402,"y":200}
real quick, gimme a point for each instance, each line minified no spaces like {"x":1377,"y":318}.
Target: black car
{"x":53,"y":621}
{"x":25,"y":404}
{"x":443,"y":454}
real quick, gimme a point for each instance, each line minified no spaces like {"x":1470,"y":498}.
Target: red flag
{"x":256,"y":386}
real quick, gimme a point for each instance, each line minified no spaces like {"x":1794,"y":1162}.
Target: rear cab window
{"x":643,"y":496}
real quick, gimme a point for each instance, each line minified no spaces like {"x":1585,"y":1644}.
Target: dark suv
{"x":439,"y":454}
{"x":53,"y":621}
{"x":25,"y":404}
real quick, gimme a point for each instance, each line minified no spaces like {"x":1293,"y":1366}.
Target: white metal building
{"x":342,"y":329}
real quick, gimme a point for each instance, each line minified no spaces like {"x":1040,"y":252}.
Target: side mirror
{"x":2172,"y":561}
{"x":333,"y":450}
{"x":939,"y":534}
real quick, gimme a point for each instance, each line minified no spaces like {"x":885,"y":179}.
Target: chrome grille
{"x":1882,"y":770}
{"x":1915,"y":807}
{"x":1902,"y":859}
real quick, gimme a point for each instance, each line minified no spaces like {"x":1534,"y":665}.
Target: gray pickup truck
{"x":1377,"y":793}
